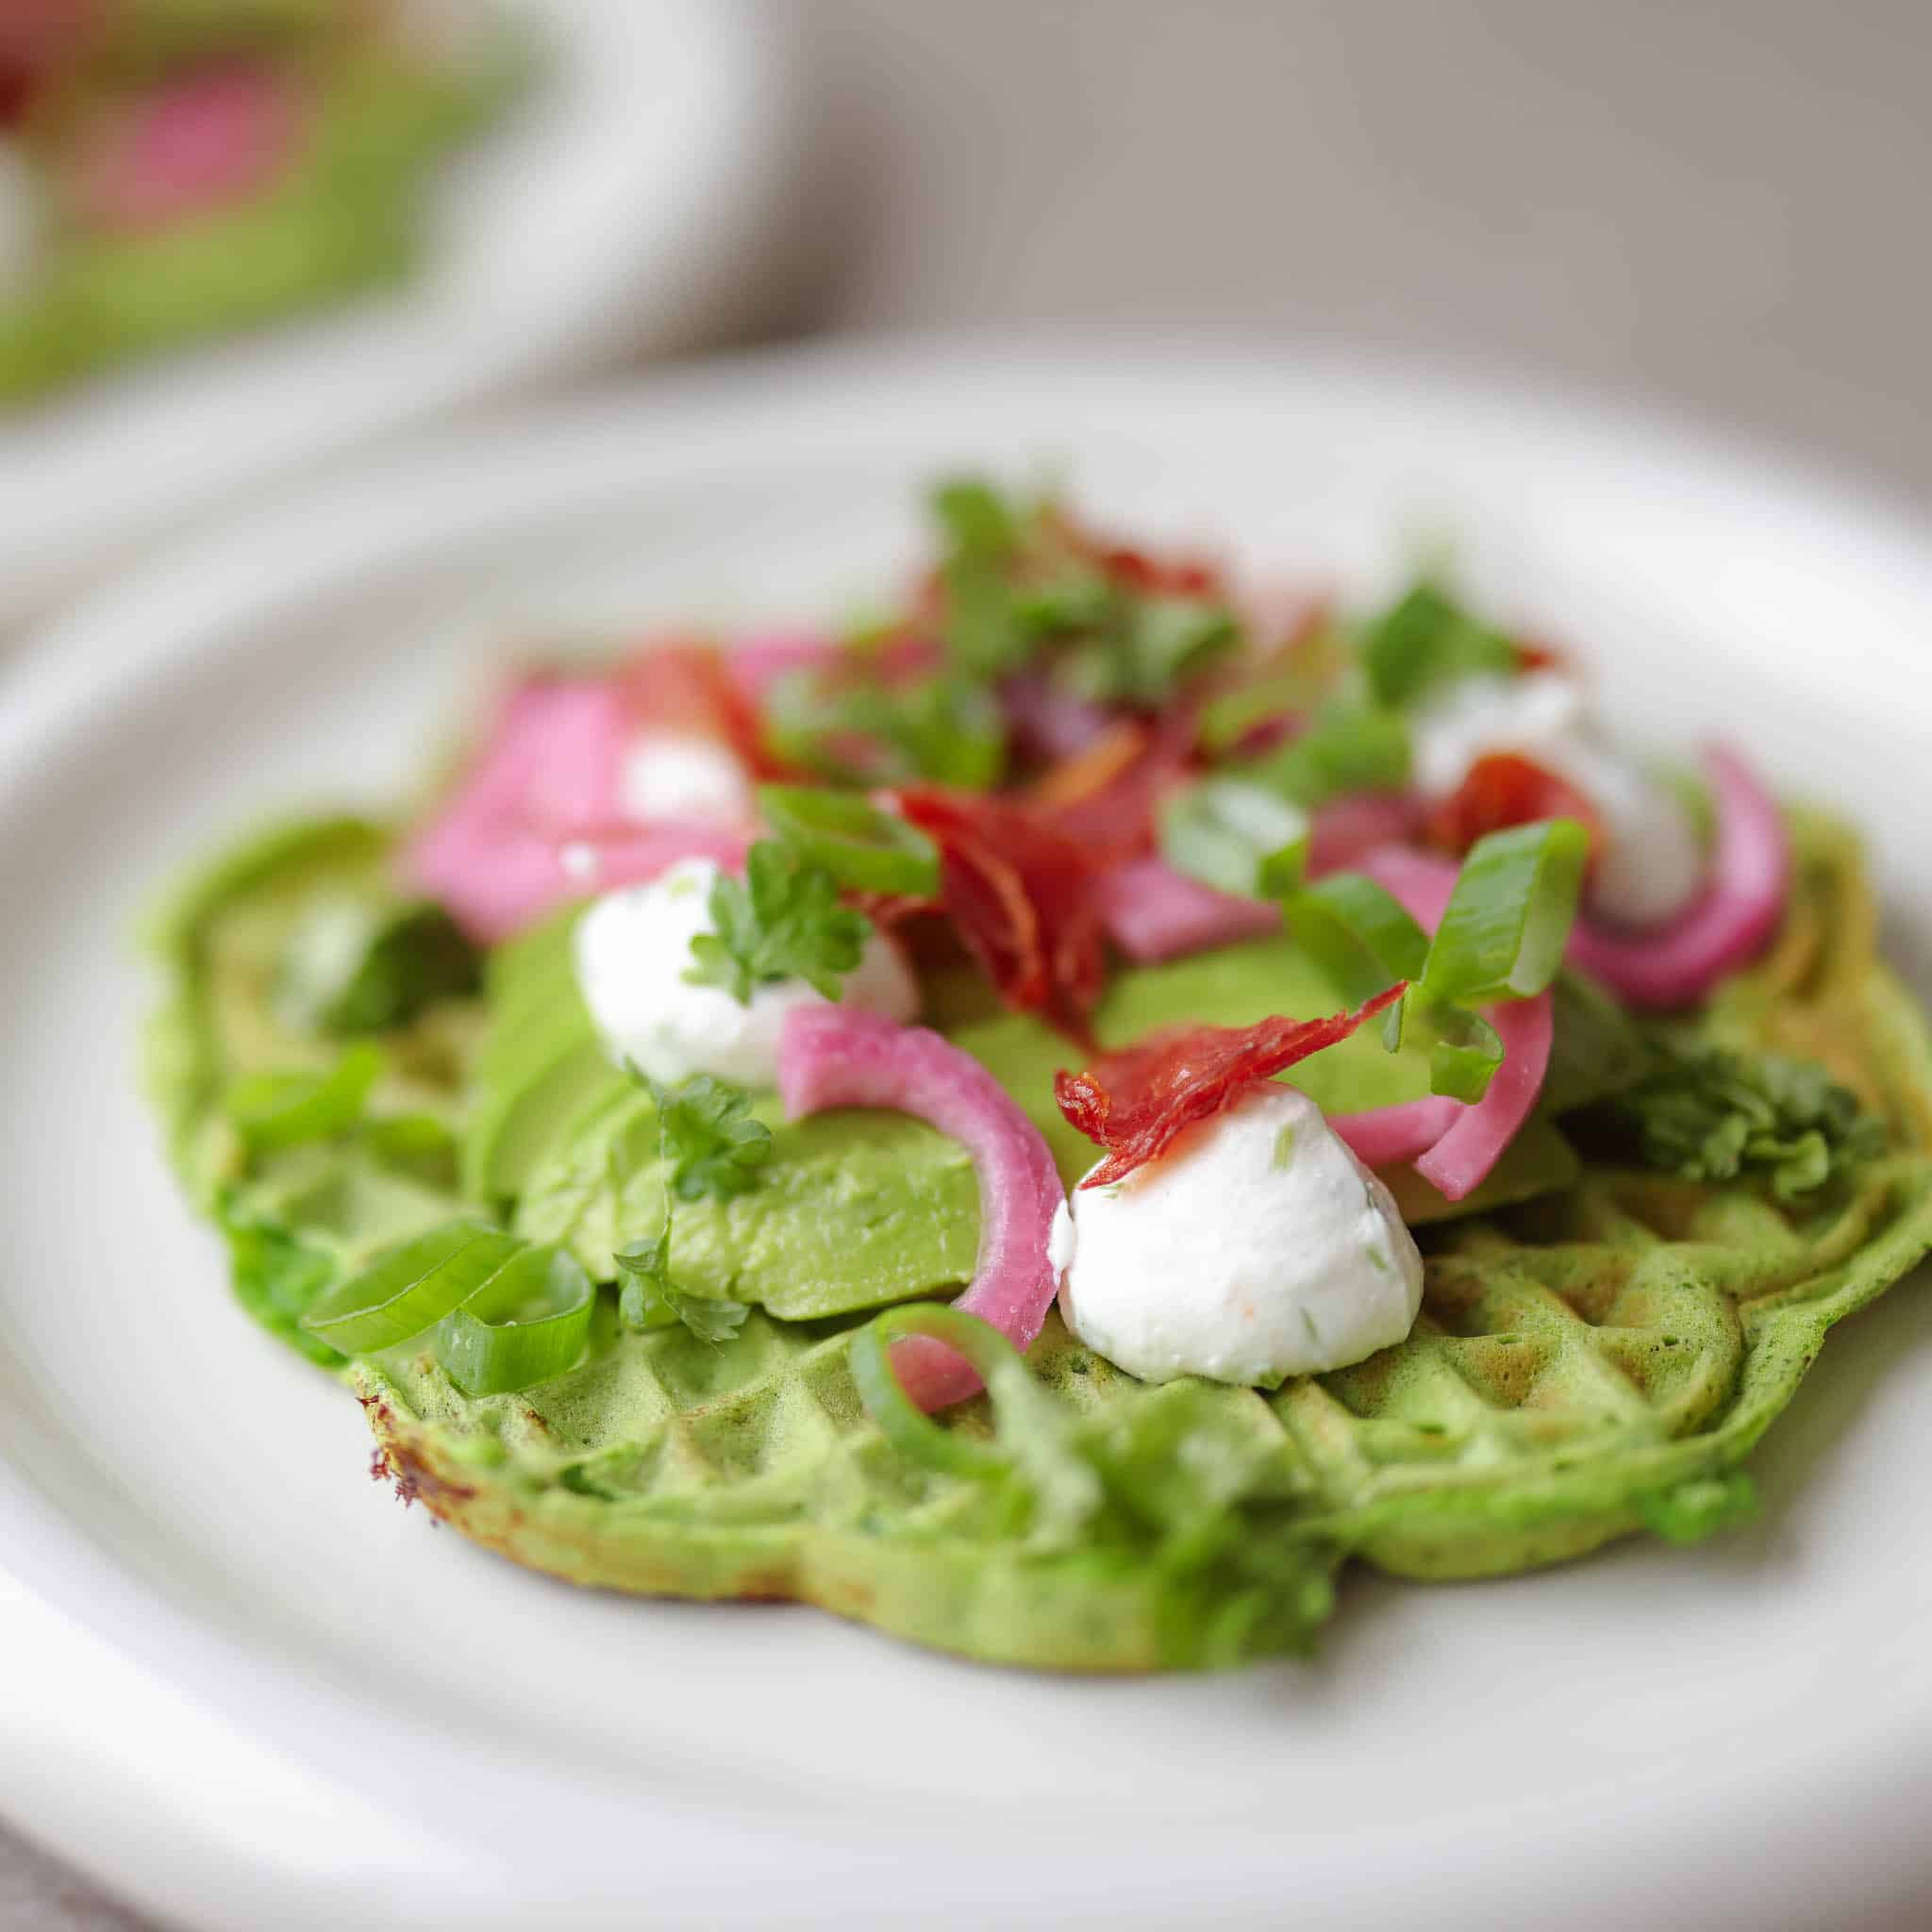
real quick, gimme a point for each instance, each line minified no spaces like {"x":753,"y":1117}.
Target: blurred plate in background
{"x":616,"y":210}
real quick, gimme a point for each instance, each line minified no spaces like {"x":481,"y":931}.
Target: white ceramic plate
{"x":246,"y":1686}
{"x":612,"y":211}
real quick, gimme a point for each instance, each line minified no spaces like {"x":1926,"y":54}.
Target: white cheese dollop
{"x":1652,"y":864}
{"x":632,"y":949}
{"x":1258,"y":1247}
{"x":1477,"y":715}
{"x":672,"y":775}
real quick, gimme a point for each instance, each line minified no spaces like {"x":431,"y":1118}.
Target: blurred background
{"x":1715,"y":212}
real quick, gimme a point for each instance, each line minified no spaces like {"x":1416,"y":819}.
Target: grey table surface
{"x":1716,"y":210}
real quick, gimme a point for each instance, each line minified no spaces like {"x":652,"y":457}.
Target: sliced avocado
{"x":853,"y":1209}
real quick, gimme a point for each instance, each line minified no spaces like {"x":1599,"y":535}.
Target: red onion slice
{"x":1153,"y":913}
{"x":536,"y":821}
{"x":1740,"y":908}
{"x":1382,"y":1136}
{"x":195,"y":143}
{"x":833,"y":1055}
{"x":1346,"y":830}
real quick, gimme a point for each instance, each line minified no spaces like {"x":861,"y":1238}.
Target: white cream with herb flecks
{"x":1256,"y":1248}
{"x":633,"y":951}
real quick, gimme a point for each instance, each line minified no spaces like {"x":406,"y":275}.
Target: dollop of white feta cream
{"x":674,"y":775}
{"x":1258,"y":1247}
{"x":1652,"y":863}
{"x":633,"y":947}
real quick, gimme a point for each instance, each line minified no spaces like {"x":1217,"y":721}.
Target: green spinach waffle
{"x":1595,"y":1359}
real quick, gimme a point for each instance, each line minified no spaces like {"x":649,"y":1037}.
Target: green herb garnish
{"x":1347,"y":747}
{"x":1236,"y":836}
{"x":650,"y":1298}
{"x":272,"y":1111}
{"x":1501,"y":937}
{"x":357,"y":965}
{"x":528,"y":1322}
{"x":864,"y":849}
{"x":1018,"y":584}
{"x":1707,"y":1113}
{"x":708,"y":1137}
{"x":705,"y":1145}
{"x":781,"y":921}
{"x":1503,"y":933}
{"x":1425,"y":640}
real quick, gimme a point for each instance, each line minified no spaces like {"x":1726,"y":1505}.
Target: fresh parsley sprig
{"x":1018,"y":584}
{"x":781,"y":921}
{"x":650,"y":1298}
{"x":708,"y":1137}
{"x":1707,"y":1113}
{"x":708,"y":1146}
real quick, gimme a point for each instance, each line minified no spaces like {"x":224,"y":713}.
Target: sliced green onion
{"x":914,"y":1433}
{"x":1358,"y":934}
{"x":409,"y":1289}
{"x":1350,"y":747}
{"x":1227,"y":719}
{"x":357,"y":963}
{"x":526,"y":1323}
{"x":272,"y":1111}
{"x":1236,"y":836}
{"x":863,"y":848}
{"x":1054,"y":1489}
{"x":1502,"y":934}
{"x":1464,"y":1052}
{"x":1425,"y":639}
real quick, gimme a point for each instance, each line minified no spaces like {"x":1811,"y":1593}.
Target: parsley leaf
{"x":651,"y":1299}
{"x":1427,"y":639}
{"x":781,"y":921}
{"x":707,"y":1136}
{"x":947,"y":728}
{"x":1708,"y":1114}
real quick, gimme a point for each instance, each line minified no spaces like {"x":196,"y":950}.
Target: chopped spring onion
{"x":1464,"y":1049}
{"x":1349,"y":747}
{"x":909,"y":1430}
{"x":410,"y":1287}
{"x":1503,"y":933}
{"x":1236,"y":836}
{"x":1425,"y":640}
{"x":527,"y":1322}
{"x":1056,"y":1491}
{"x":272,"y":1111}
{"x":1357,"y":933}
{"x":864,"y":849}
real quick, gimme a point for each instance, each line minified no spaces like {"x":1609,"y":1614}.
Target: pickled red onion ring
{"x":1739,"y":909}
{"x":1153,"y":913}
{"x":833,"y":1055}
